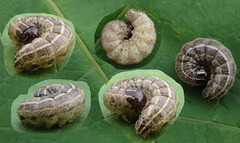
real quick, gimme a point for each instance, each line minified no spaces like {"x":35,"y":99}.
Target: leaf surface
{"x":179,"y":21}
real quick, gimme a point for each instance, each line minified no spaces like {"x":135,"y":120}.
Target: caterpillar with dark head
{"x":150,"y":100}
{"x":41,"y":41}
{"x":53,"y":104}
{"x":206,"y":62}
{"x":129,"y":43}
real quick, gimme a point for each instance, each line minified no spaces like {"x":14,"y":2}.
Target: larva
{"x":208,"y":62}
{"x":41,"y":41}
{"x":150,"y":100}
{"x":129,"y":43}
{"x":53,"y":104}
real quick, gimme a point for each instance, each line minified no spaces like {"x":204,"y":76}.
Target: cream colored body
{"x":124,"y":50}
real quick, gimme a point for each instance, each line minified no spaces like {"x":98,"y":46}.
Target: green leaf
{"x":19,"y":127}
{"x":129,"y":128}
{"x":9,"y":51}
{"x":180,"y":21}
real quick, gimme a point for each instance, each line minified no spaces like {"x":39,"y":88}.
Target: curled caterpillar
{"x":41,"y":41}
{"x":53,"y":104}
{"x":129,"y":43}
{"x":208,"y":62}
{"x":150,"y":100}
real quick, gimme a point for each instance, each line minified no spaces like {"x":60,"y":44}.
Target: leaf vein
{"x":82,"y":45}
{"x":209,"y":123}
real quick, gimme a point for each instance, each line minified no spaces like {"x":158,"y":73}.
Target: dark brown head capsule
{"x":27,"y":32}
{"x":129,"y":31}
{"x":203,"y":75}
{"x":136,"y":98}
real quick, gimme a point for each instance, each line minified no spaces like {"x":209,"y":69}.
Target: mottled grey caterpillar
{"x":53,"y":104}
{"x":206,"y":61}
{"x":129,"y":43}
{"x":41,"y":41}
{"x":150,"y":100}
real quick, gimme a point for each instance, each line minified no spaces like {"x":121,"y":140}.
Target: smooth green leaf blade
{"x":181,"y":21}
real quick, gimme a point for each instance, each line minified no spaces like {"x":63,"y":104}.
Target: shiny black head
{"x":27,"y":32}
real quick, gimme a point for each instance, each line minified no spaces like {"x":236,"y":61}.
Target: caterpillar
{"x":41,"y":41}
{"x":129,"y":43}
{"x":150,"y":100}
{"x":53,"y":104}
{"x":206,"y":62}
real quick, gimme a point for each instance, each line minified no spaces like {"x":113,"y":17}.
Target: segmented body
{"x":206,"y":61}
{"x":53,"y":104}
{"x":149,"y":99}
{"x":41,"y":41}
{"x":129,"y":44}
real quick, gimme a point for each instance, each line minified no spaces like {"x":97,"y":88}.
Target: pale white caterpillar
{"x":41,"y":41}
{"x":206,"y":62}
{"x":129,"y":43}
{"x":53,"y":104}
{"x":150,"y":100}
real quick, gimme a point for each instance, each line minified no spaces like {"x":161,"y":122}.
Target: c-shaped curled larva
{"x":129,"y":43}
{"x":41,"y":41}
{"x":150,"y":100}
{"x":53,"y":104}
{"x":206,"y":61}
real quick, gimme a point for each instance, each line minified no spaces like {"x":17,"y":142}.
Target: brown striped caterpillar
{"x":53,"y":104}
{"x":150,"y":100}
{"x":206,"y":61}
{"x":41,"y":41}
{"x":129,"y":43}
